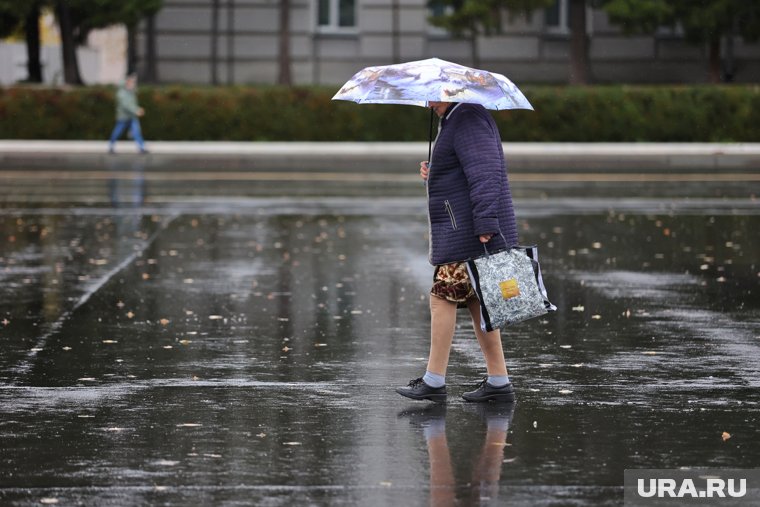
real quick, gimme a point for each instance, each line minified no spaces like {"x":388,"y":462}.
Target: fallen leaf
{"x":189,"y":425}
{"x":286,"y":348}
{"x":185,"y":342}
{"x":165,"y":463}
{"x":215,"y":317}
{"x":725,"y":436}
{"x":110,"y":341}
{"x":48,"y":501}
{"x":291,"y":443}
{"x":164,"y":321}
{"x":596,"y":317}
{"x":578,"y":308}
{"x":565,"y":391}
{"x":130,"y":315}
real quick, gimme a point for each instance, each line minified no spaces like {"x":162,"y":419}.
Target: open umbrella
{"x":433,"y":80}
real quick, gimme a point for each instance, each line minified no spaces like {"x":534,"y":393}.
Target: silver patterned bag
{"x":509,"y":287}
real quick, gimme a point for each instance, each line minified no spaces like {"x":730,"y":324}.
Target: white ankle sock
{"x":433,"y":379}
{"x":498,"y":380}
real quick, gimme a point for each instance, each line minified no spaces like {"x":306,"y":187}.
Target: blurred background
{"x":628,"y":70}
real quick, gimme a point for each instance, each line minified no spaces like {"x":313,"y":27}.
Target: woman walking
{"x":469,"y":206}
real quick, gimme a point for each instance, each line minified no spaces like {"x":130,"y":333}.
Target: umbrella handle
{"x":430,"y":137}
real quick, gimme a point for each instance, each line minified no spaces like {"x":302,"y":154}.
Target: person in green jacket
{"x":128,"y":113}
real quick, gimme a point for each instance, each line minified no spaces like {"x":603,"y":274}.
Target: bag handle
{"x":485,"y":249}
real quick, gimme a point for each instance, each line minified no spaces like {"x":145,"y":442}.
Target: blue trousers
{"x":134,"y":124}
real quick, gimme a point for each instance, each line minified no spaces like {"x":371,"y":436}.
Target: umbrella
{"x":433,"y":80}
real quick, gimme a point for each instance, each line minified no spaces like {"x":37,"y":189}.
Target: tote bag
{"x":509,"y":287}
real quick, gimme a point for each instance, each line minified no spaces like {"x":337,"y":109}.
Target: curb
{"x":382,"y":157}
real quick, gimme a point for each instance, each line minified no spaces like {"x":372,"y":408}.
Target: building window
{"x":556,"y":18}
{"x":336,"y":15}
{"x":437,"y":9}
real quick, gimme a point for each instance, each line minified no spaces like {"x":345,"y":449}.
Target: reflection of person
{"x":126,"y":189}
{"x":484,"y":483}
{"x":128,"y":113}
{"x":469,"y":206}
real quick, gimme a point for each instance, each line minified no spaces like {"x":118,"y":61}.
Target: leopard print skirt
{"x":452,"y":283}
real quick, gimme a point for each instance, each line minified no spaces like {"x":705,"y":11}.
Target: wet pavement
{"x":175,"y":339}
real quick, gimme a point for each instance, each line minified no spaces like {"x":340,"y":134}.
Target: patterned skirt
{"x":452,"y":283}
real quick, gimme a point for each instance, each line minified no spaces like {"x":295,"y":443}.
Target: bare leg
{"x":442,"y":491}
{"x":443,"y":319}
{"x":490,"y":343}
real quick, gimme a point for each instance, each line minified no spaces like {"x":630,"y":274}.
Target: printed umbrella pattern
{"x":419,"y":82}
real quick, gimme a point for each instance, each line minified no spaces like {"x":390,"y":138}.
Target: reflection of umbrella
{"x":432,"y":80}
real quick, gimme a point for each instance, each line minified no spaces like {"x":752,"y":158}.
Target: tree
{"x":471,"y":19}
{"x":24,"y":16}
{"x":579,"y":67}
{"x":76,"y":18}
{"x":704,"y":22}
{"x":284,"y":75}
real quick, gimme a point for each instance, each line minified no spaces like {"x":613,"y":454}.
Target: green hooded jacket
{"x":126,"y":103}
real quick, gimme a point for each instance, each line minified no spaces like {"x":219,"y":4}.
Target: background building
{"x":239,"y":41}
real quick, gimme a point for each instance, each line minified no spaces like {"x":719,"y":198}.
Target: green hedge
{"x":563,"y":114}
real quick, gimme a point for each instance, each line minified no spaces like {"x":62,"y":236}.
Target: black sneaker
{"x":419,"y":390}
{"x":487,"y":392}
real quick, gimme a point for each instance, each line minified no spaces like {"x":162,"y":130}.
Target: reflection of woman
{"x":469,"y":206}
{"x":486,"y":470}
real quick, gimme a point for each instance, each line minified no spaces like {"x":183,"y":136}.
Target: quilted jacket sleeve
{"x":478,"y":148}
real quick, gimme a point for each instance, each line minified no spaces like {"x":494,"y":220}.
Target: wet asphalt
{"x":175,"y":340}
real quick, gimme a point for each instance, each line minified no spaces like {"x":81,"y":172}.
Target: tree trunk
{"x":214,"y":41}
{"x":714,"y":61}
{"x":32,"y":30}
{"x":285,"y":77}
{"x":230,"y":42}
{"x":578,"y":43}
{"x":395,"y":31}
{"x":151,"y":76}
{"x":131,"y":49}
{"x":68,"y":45}
{"x":474,"y":51}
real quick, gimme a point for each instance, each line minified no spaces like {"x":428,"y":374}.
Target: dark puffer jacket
{"x":468,"y":190}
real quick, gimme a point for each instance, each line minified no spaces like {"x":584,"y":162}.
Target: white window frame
{"x":334,"y":16}
{"x":563,"y":28}
{"x":437,"y":31}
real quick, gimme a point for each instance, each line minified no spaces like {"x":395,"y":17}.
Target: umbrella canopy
{"x":417,"y":83}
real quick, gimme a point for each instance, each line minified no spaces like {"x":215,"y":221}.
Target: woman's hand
{"x":485,"y":238}
{"x":424,"y":170}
